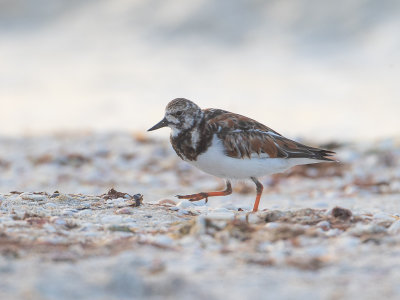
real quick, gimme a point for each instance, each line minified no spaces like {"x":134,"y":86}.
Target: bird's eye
{"x":178,"y":113}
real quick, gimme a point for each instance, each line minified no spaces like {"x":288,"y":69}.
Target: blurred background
{"x":319,"y":69}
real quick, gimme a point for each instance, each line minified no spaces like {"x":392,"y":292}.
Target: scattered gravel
{"x":93,"y":217}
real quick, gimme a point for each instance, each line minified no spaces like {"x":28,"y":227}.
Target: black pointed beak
{"x":161,"y":124}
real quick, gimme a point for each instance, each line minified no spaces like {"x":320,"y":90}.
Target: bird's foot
{"x":194,"y":197}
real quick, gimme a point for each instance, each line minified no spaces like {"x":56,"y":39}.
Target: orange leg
{"x":259,"y":192}
{"x":203,"y":195}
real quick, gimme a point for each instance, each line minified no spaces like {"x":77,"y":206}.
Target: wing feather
{"x":243,"y":137}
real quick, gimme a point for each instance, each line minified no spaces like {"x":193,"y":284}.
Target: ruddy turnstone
{"x":232,"y":146}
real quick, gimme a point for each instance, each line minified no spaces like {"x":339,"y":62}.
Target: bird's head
{"x":180,"y":115}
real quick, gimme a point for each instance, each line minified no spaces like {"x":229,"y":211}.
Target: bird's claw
{"x":194,"y":197}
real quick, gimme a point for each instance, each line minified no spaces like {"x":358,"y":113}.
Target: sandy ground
{"x":329,"y":231}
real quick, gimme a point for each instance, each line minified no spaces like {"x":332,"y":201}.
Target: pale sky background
{"x":316,"y":69}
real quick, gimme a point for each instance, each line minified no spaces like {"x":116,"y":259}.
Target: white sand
{"x":65,"y":245}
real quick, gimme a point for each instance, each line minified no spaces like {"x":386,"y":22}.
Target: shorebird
{"x":232,"y":146}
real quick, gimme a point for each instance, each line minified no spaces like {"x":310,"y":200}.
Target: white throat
{"x":175,"y":131}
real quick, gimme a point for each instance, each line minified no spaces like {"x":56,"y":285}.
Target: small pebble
{"x":325,"y":225}
{"x":119,"y":202}
{"x":63,"y":198}
{"x":360,"y":229}
{"x":138,"y":199}
{"x":32,"y":197}
{"x":84,"y":206}
{"x":111,"y":219}
{"x":55,"y":194}
{"x":125,"y":211}
{"x":60,"y":221}
{"x":49,"y":228}
{"x":167,"y":202}
{"x":50,"y":205}
{"x":163,"y":240}
{"x":341,"y":213}
{"x":252,"y":218}
{"x":382,"y":216}
{"x":272,"y":225}
{"x":183,"y":212}
{"x":123,"y":228}
{"x":69,"y":212}
{"x":394,"y":228}
{"x":333,"y":232}
{"x":85,"y":212}
{"x":185,"y":203}
{"x":274,"y":215}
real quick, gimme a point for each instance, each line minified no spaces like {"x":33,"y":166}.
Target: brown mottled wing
{"x":243,"y":137}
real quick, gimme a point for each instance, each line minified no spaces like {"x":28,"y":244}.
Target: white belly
{"x":216,"y":163}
